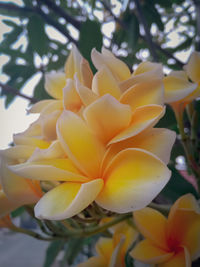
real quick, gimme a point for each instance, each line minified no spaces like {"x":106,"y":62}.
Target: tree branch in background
{"x":147,"y":36}
{"x":157,"y":46}
{"x":9,"y":89}
{"x":36,"y":10}
{"x":68,"y":18}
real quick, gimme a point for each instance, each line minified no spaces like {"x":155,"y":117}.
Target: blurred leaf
{"x":169,"y":120}
{"x":37,"y":36}
{"x":90,"y":37}
{"x":11,"y":37}
{"x":52,"y":251}
{"x":39,"y":91}
{"x":177,"y":186}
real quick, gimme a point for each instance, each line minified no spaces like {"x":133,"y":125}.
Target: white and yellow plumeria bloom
{"x":16,"y":190}
{"x":179,"y":91}
{"x":112,"y":251}
{"x":84,"y":171}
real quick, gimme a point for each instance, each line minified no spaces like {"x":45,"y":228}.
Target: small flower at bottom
{"x":112,"y":251}
{"x":169,"y":242}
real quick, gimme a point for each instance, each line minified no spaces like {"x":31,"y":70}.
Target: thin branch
{"x":8,"y":89}
{"x":55,"y":24}
{"x":62,"y":13}
{"x":148,"y":36}
{"x":36,"y":10}
{"x":124,"y":26}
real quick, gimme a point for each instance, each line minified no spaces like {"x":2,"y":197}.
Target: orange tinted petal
{"x":104,"y":83}
{"x":146,"y":252}
{"x":153,"y":226}
{"x":144,"y":117}
{"x":81,"y":146}
{"x":145,"y":93}
{"x":107,"y":117}
{"x":132,"y":179}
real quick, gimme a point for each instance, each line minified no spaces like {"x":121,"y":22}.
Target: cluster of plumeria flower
{"x":94,"y":150}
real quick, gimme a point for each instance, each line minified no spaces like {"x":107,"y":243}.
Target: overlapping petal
{"x":118,"y":68}
{"x":54,"y":83}
{"x":145,"y":71}
{"x":104,"y":83}
{"x":192,"y":67}
{"x":101,"y":117}
{"x":80,"y":144}
{"x":144,"y":117}
{"x":177,"y":87}
{"x":146,"y":252}
{"x":126,"y":177}
{"x":144,"y":93}
{"x":73,"y":198}
{"x":149,"y":140}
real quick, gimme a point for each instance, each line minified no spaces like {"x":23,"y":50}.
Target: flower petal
{"x":81,"y":146}
{"x":18,"y":189}
{"x":6,"y":205}
{"x":104,"y":83}
{"x":150,"y":140}
{"x":104,"y":248}
{"x":144,"y":117}
{"x":145,"y":93}
{"x":101,"y":117}
{"x":93,"y":261}
{"x":54,"y":83}
{"x":118,"y":68}
{"x":192,"y":68}
{"x":181,"y":258}
{"x":86,"y":73}
{"x":132,"y":180}
{"x":153,"y":226}
{"x":71,"y":99}
{"x":86,"y":95}
{"x":177,"y":88}
{"x":49,"y":169}
{"x":184,"y":224}
{"x":146,"y":252}
{"x":144,"y":72}
{"x":39,"y":106}
{"x":73,"y":63}
{"x":67,"y":200}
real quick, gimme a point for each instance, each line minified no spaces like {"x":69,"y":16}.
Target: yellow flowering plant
{"x":96,"y":154}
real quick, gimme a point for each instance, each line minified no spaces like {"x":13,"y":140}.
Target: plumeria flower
{"x":112,"y":251}
{"x":5,"y":222}
{"x":120,"y":71}
{"x":16,"y":190}
{"x":81,"y":172}
{"x":169,"y":242}
{"x":179,"y":91}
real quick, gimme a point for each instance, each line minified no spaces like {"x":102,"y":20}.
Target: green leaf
{"x":39,"y":91}
{"x":133,"y":33}
{"x":90,"y":37}
{"x":52,"y":251}
{"x":177,"y":186}
{"x":37,"y":36}
{"x":11,"y":37}
{"x":169,"y":120}
{"x":17,"y":212}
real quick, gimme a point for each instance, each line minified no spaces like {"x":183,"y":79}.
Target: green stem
{"x":33,"y":234}
{"x":98,"y":229}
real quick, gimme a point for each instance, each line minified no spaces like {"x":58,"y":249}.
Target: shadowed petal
{"x":67,"y":200}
